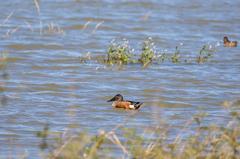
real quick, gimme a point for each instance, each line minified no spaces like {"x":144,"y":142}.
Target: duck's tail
{"x":137,"y":105}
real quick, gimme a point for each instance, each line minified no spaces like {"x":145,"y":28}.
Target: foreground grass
{"x":210,"y":142}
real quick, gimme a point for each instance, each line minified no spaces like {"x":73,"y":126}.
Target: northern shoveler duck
{"x":118,"y":102}
{"x":228,"y":43}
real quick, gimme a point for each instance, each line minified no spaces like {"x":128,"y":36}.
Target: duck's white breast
{"x":114,"y":104}
{"x":131,"y":106}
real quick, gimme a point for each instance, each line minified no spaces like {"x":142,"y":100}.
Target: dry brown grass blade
{"x":113,"y":137}
{"x":10,"y":32}
{"x":86,"y":25}
{"x":37,"y":6}
{"x":36,"y":2}
{"x":178,"y":138}
{"x":97,"y":26}
{"x":58,"y":151}
{"x":7,"y":18}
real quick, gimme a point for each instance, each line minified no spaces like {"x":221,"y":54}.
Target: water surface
{"x":45,"y":82}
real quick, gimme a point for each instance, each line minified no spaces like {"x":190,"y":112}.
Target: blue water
{"x":45,"y":82}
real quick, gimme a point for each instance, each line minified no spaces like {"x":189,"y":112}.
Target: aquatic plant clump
{"x":148,"y":52}
{"x":176,"y":56}
{"x":53,"y":29}
{"x":119,"y":52}
{"x":204,"y":54}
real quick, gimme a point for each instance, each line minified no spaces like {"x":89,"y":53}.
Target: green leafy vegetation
{"x":119,"y":53}
{"x":44,"y":136}
{"x":176,"y":56}
{"x":148,"y":52}
{"x":204,"y":54}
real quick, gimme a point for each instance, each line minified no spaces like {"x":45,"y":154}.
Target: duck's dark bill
{"x":113,"y":99}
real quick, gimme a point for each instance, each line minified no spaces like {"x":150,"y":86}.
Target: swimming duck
{"x":118,"y":102}
{"x":228,"y":43}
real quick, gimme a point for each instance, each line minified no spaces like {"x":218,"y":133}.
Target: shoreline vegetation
{"x":120,"y":53}
{"x":206,"y":142}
